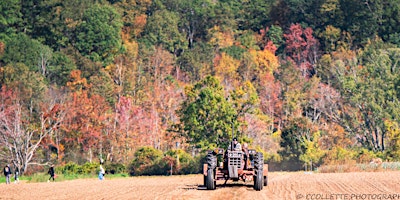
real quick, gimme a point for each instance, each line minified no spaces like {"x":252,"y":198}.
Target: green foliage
{"x":10,"y":17}
{"x":186,"y":165}
{"x":313,"y":153}
{"x":207,"y":117}
{"x":115,"y":168}
{"x":22,"y":49}
{"x":196,"y":62}
{"x":147,"y":161}
{"x":275,"y":34}
{"x":60,"y":68}
{"x":69,"y":168}
{"x":30,"y":84}
{"x":393,"y":140}
{"x":162,"y":29}
{"x":235,"y":52}
{"x":72,"y":168}
{"x":99,"y":34}
{"x":339,"y":155}
{"x":291,"y":142}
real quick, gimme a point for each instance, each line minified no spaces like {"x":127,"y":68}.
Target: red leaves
{"x":302,"y":48}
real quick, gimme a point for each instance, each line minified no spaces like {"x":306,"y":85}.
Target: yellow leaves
{"x":329,"y":6}
{"x":220,"y":38}
{"x":132,"y":48}
{"x":393,"y":133}
{"x":226,"y":67}
{"x":265,"y":61}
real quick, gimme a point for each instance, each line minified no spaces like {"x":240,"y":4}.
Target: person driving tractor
{"x":236,"y":145}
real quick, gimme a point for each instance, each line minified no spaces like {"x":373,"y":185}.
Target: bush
{"x":148,"y":161}
{"x":73,"y":168}
{"x":69,"y":168}
{"x":90,"y":168}
{"x":115,"y":168}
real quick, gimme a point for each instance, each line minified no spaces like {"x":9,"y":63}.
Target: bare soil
{"x":281,"y":185}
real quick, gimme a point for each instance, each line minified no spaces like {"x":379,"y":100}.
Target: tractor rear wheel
{"x":210,"y":183}
{"x":259,"y":161}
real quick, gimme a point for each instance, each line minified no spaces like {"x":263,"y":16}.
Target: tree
{"x":206,"y":118}
{"x":162,"y":30}
{"x":302,"y":49}
{"x":99,"y":34}
{"x":313,"y":152}
{"x":10,"y":18}
{"x":393,"y":140}
{"x":20,"y":135}
{"x":21,"y":48}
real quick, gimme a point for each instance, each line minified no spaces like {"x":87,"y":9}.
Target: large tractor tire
{"x":210,"y":183}
{"x":258,"y":180}
{"x":211,"y":161}
{"x":258,"y":161}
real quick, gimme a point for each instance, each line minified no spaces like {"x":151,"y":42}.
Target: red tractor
{"x":236,"y":166}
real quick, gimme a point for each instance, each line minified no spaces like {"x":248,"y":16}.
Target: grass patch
{"x":368,"y":167}
{"x":44,"y":177}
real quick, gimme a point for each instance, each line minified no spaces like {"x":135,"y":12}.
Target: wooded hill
{"x":307,"y":82}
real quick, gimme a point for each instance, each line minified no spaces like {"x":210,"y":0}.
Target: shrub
{"x":69,"y":168}
{"x":90,"y":168}
{"x":115,"y":168}
{"x":147,"y":161}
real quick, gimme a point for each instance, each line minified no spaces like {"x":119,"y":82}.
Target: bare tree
{"x":21,"y":137}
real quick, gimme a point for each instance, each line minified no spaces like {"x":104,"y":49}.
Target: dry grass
{"x":367,"y":167}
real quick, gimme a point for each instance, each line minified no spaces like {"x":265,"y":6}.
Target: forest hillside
{"x":144,"y":84}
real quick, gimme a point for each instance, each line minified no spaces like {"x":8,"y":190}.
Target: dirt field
{"x":299,"y":185}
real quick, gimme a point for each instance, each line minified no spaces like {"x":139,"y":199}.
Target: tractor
{"x":237,"y":166}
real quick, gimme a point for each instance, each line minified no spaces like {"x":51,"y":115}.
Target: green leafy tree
{"x":393,"y":140}
{"x":371,"y":87}
{"x":206,"y":117}
{"x":99,"y":35}
{"x":22,"y":49}
{"x":10,"y":17}
{"x":196,"y":62}
{"x":162,"y":29}
{"x":313,"y":153}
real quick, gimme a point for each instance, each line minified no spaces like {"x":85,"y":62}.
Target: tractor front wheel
{"x":210,"y":183}
{"x":258,"y":180}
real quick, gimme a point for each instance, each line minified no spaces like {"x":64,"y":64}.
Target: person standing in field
{"x":51,"y":173}
{"x":102,"y":172}
{"x":16,"y":175}
{"x":7,"y":173}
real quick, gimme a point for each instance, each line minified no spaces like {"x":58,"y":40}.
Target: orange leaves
{"x":265,"y":61}
{"x":76,"y":82}
{"x":139,"y":24}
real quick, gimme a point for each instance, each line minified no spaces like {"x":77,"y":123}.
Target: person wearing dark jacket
{"x":7,"y":173}
{"x":51,"y":172}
